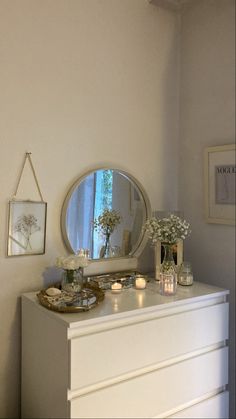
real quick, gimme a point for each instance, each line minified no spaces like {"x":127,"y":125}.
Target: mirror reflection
{"x":104,"y":213}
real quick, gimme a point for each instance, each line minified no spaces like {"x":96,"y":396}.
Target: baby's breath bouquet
{"x":106,"y":224}
{"x":167,"y":230}
{"x":107,"y":221}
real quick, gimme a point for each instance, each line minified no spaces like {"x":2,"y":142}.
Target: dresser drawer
{"x":155,"y":393}
{"x":214,"y":407}
{"x":114,"y":352}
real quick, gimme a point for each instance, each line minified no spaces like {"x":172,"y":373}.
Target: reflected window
{"x":87,"y":202}
{"x":99,"y":190}
{"x":103,"y":200}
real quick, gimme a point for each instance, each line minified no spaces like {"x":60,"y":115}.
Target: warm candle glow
{"x":115,"y":305}
{"x":140,"y":283}
{"x":116,"y":287}
{"x":168,"y":287}
{"x":167,"y":284}
{"x":140,"y":296}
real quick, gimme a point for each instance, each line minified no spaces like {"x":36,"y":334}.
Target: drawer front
{"x":158,"y":392}
{"x":118,"y":351}
{"x":216,"y":407}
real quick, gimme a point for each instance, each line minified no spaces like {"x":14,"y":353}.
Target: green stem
{"x":70,"y":275}
{"x":106,"y":243}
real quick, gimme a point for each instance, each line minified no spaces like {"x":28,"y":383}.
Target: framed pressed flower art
{"x":26,"y":228}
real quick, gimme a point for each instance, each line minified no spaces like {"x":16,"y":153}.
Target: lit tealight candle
{"x":167,"y":284}
{"x":140,"y":283}
{"x":116,"y":287}
{"x":168,"y":288}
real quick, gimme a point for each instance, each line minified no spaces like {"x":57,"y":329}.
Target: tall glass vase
{"x":157,"y":260}
{"x":106,"y":250}
{"x":168,"y":274}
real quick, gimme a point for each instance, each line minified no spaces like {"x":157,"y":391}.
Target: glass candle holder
{"x":168,"y":284}
{"x":72,"y":280}
{"x":116,"y":287}
{"x":140,"y":282}
{"x":185,"y":275}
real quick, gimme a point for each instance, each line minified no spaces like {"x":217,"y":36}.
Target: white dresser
{"x":136,"y":355}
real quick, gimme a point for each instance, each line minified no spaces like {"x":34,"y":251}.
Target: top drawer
{"x":107,"y":354}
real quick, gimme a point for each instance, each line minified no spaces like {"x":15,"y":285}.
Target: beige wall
{"x":86,"y":83}
{"x":83,"y":83}
{"x":208,"y":119}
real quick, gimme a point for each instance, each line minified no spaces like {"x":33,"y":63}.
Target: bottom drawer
{"x":215,"y":407}
{"x":154,"y":393}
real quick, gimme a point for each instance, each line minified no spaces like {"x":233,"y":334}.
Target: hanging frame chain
{"x":28,"y":156}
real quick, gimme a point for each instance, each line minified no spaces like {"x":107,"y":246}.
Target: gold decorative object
{"x":90,"y":296}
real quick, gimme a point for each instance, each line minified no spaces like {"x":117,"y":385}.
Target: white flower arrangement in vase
{"x":73,"y":276}
{"x":166,"y":231}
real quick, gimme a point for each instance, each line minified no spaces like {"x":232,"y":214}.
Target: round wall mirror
{"x":103,"y":215}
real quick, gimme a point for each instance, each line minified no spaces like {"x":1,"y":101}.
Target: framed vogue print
{"x":26,"y":228}
{"x":220,"y":172}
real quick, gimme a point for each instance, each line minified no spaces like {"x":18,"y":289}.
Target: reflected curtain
{"x":80,"y":213}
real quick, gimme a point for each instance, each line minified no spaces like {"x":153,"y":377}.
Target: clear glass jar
{"x":185,"y":275}
{"x":72,"y":280}
{"x":168,"y":284}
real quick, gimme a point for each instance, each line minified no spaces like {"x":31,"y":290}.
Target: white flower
{"x":107,"y":221}
{"x":167,"y":230}
{"x":71,"y":262}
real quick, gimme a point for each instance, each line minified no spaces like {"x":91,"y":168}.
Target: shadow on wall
{"x":51,"y":276}
{"x":168,"y":146}
{"x":11,"y":367}
{"x":12,"y":364}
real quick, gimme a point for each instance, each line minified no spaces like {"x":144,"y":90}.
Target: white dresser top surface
{"x":131,"y":302}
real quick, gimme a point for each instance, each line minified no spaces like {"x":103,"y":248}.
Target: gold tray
{"x":90,"y":296}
